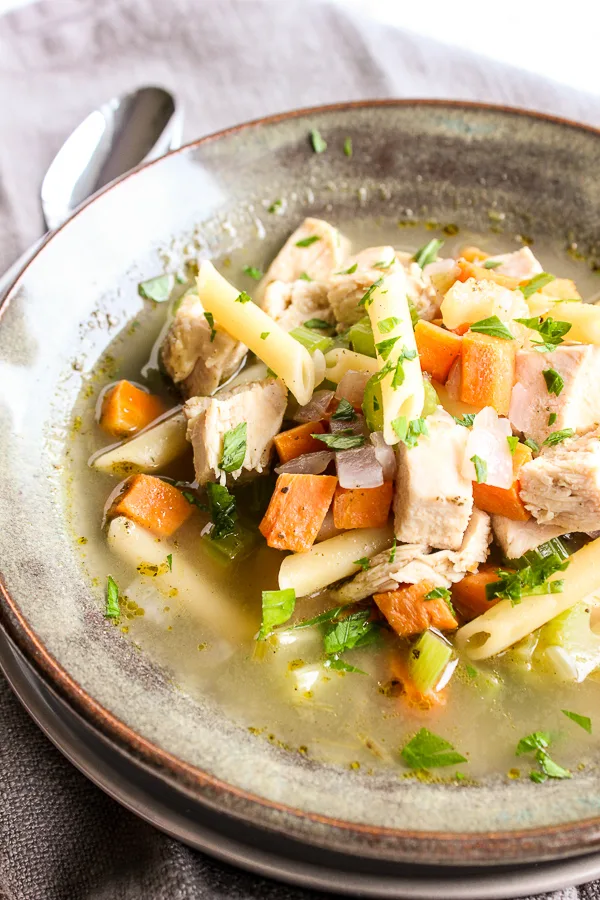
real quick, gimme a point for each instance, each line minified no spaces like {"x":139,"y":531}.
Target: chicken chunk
{"x":518,"y":538}
{"x":260,"y":404}
{"x":425,"y":288}
{"x":562,"y":486}
{"x":433,"y":499}
{"x":292,"y":304}
{"x":412,"y":563}
{"x":520,"y":264}
{"x":194,"y":361}
{"x":322,"y":254}
{"x":347,"y":288}
{"x":575,"y":405}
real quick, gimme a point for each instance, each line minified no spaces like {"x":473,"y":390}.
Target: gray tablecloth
{"x":228,"y":60}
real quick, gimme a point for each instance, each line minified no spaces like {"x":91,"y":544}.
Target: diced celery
{"x":361,"y":337}
{"x":233,"y":547}
{"x":428,"y":660}
{"x":431,"y":399}
{"x":568,"y":644}
{"x":312,"y":340}
{"x":554,"y":549}
{"x":521,"y":654}
{"x":373,"y":405}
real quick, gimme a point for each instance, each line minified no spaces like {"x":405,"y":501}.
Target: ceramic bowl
{"x":451,"y":162}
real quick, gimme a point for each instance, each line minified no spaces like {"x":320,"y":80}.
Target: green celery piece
{"x":373,"y":405}
{"x":427,"y":660}
{"x":312,"y":340}
{"x":233,"y":547}
{"x":432,"y":400}
{"x":361,"y":337}
{"x":568,"y":645}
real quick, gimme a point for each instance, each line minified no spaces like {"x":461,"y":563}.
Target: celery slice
{"x":569,"y":645}
{"x":311,"y":339}
{"x":431,"y":399}
{"x":428,"y":660}
{"x":233,"y":547}
{"x":373,"y":405}
{"x":361,"y":337}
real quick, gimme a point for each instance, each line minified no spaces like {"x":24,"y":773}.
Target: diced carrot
{"x":362,"y":507}
{"x":296,"y":511}
{"x":297,"y":441}
{"x":461,"y":329}
{"x":474,"y":254}
{"x":505,"y":501}
{"x":472,"y":270}
{"x":126,"y":409}
{"x":438,"y":348}
{"x":469,"y":596}
{"x":409,"y":693}
{"x":488,"y":371}
{"x":409,"y":613}
{"x":152,"y":503}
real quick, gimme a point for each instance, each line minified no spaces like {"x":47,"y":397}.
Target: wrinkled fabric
{"x":228,"y":60}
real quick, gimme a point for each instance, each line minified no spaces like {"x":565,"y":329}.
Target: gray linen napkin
{"x":228,"y":60}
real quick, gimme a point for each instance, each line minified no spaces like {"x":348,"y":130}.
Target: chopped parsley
{"x":492,"y":263}
{"x":408,"y":432}
{"x":512,"y":441}
{"x":393,"y":553}
{"x":532,"y":573}
{"x":583,"y":721}
{"x":234,"y":448}
{"x":399,"y":373}
{"x":157,"y":289}
{"x":277,"y":608}
{"x":191,"y":498}
{"x":554,"y":381}
{"x":334,"y":662}
{"x":319,"y":145}
{"x":480,"y":469}
{"x":112,"y":610}
{"x":557,"y":437}
{"x":264,"y":335}
{"x":494,"y":327}
{"x":170,"y":561}
{"x":348,"y":146}
{"x":327,"y":616}
{"x":428,"y":253}
{"x":538,"y":743}
{"x":384,"y":348}
{"x":317,"y":323}
{"x":466,"y":420}
{"x":364,"y":562}
{"x":344,"y":412}
{"x":366,"y":299}
{"x":222,"y":509}
{"x":438,"y":593}
{"x":382,"y":264}
{"x":275,"y":206}
{"x":253,"y":272}
{"x":355,"y":630}
{"x":304,"y":276}
{"x":429,"y":751}
{"x":387,"y":325}
{"x":307,"y":241}
{"x":349,"y":271}
{"x":532,"y":445}
{"x":552,"y":418}
{"x":211,"y":324}
{"x":243,"y":297}
{"x":341,"y":441}
{"x":550,"y":330}
{"x":536,"y":284}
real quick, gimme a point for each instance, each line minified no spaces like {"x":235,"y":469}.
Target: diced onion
{"x":316,"y":407}
{"x":307,"y":464}
{"x":359,"y":468}
{"x":352,"y":387}
{"x":385,"y":455}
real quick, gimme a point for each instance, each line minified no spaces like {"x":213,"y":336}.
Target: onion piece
{"x":356,"y":426}
{"x":352,"y":387}
{"x":358,"y":468}
{"x":307,"y":464}
{"x":327,"y":529}
{"x":385,"y":455}
{"x":487,"y":440}
{"x":454,"y":380}
{"x":316,"y":407}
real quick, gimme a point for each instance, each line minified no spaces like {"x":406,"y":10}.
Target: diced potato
{"x":470,"y":301}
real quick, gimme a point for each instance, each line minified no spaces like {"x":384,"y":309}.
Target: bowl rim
{"x":452,"y":848}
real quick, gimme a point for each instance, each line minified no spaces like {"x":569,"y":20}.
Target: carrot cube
{"x":409,"y":613}
{"x":152,"y":503}
{"x":296,"y":510}
{"x":488,"y":371}
{"x":362,"y":507}
{"x":505,"y":501}
{"x":127,"y":409}
{"x":469,"y":595}
{"x":299,"y":440}
{"x":438,"y":349}
{"x":480,"y":273}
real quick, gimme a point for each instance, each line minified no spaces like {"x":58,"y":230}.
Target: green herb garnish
{"x":554,"y":381}
{"x":428,"y":253}
{"x":341,"y":441}
{"x":157,"y":289}
{"x":364,"y":562}
{"x":253,"y":272}
{"x":234,"y":448}
{"x":334,"y":662}
{"x":349,"y":271}
{"x":327,"y":616}
{"x":533,"y":571}
{"x":348,"y":146}
{"x":191,"y":498}
{"x":492,"y":263}
{"x":112,"y":610}
{"x":408,"y":432}
{"x":366,"y":299}
{"x":211,"y":324}
{"x":277,"y":608}
{"x":512,"y":443}
{"x":583,"y":721}
{"x":532,"y":445}
{"x":551,"y":331}
{"x":538,"y":743}
{"x":353,"y":631}
{"x":344,"y":412}
{"x":318,"y":323}
{"x":557,"y":437}
{"x":387,"y":325}
{"x":243,"y":297}
{"x":552,"y":418}
{"x":170,"y":561}
{"x":494,"y":327}
{"x":307,"y":241}
{"x":304,"y":276}
{"x":535,"y":284}
{"x":275,"y":206}
{"x":222,"y":509}
{"x":438,"y":593}
{"x":319,"y":145}
{"x":264,"y":335}
{"x":393,"y":552}
{"x":382,"y":264}
{"x":385,"y":347}
{"x":466,"y":421}
{"x":399,"y":373}
{"x":480,"y":469}
{"x":429,"y":751}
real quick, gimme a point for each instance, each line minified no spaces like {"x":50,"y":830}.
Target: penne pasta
{"x":340,"y":361}
{"x":149,"y":451}
{"x":504,"y":624}
{"x":248,"y":323}
{"x":389,"y":303}
{"x":331,"y":560}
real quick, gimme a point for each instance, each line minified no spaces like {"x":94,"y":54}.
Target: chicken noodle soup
{"x":368,"y":493}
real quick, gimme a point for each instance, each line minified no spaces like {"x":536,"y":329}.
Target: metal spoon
{"x":113,"y":139}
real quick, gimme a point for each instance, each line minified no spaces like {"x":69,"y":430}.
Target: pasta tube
{"x":402,"y":388}
{"x":247,"y":322}
{"x":331,"y":560}
{"x":148,"y":451}
{"x":504,"y":624}
{"x":340,"y":361}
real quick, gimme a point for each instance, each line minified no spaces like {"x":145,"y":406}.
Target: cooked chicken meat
{"x":520,"y":264}
{"x":518,"y":538}
{"x":316,"y":249}
{"x":347,"y":288}
{"x":293,"y":303}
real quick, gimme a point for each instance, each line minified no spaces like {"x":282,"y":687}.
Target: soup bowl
{"x":473,"y":166}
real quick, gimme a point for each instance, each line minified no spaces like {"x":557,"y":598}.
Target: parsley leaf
{"x":550,"y":768}
{"x":319,"y":145}
{"x":533,"y":445}
{"x":353,"y":631}
{"x":349,"y":271}
{"x":409,"y":432}
{"x":366,"y":298}
{"x":554,"y":381}
{"x":304,"y":276}
{"x":467,"y":420}
{"x":428,"y":253}
{"x":334,"y":662}
{"x":317,"y":323}
{"x":264,"y":335}
{"x":393,"y":552}
{"x":512,"y":442}
{"x":552,"y":418}
{"x":428,"y":751}
{"x":492,"y":263}
{"x":234,"y":448}
{"x":211,"y":324}
{"x":307,"y":241}
{"x":538,"y":743}
{"x":191,"y":498}
{"x":170,"y":561}
{"x":493,"y":326}
{"x":341,"y":441}
{"x":480,"y":469}
{"x":399,"y":374}
{"x":583,"y":721}
{"x":539,"y":740}
{"x":535,"y":284}
{"x":277,"y":608}
{"x":382,"y":264}
{"x":387,"y":325}
{"x":275,"y":206}
{"x":364,"y":562}
{"x":327,"y":616}
{"x":243,"y":297}
{"x":348,"y":146}
{"x":531,"y":578}
{"x":438,"y":593}
{"x":384,"y":348}
{"x":344,"y":412}
{"x":551,"y":331}
{"x":253,"y":272}
{"x":112,"y":610}
{"x":557,"y":437}
{"x":221,"y":506}
{"x":157,"y":289}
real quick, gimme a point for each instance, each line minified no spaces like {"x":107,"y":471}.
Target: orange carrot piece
{"x":461,"y":329}
{"x":472,"y":270}
{"x":362,"y":507}
{"x":152,"y":503}
{"x":409,"y":693}
{"x":438,"y":348}
{"x":409,"y":613}
{"x":297,"y":441}
{"x":296,"y":511}
{"x":126,"y":409}
{"x":469,"y":596}
{"x":488,"y":371}
{"x":505,"y":501}
{"x":473,"y":254}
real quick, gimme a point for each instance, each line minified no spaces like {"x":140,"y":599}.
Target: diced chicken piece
{"x":260,"y":405}
{"x":412,"y":563}
{"x":562,"y":486}
{"x":347,"y":288}
{"x":321,"y":252}
{"x":517,"y":538}
{"x":576,"y":406}
{"x":194,"y":362}
{"x":520,"y":264}
{"x":292,"y":304}
{"x":433,"y":499}
{"x":426,"y":287}
{"x":471,"y":300}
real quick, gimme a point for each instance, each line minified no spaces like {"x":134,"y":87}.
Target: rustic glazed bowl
{"x":453,"y":162}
